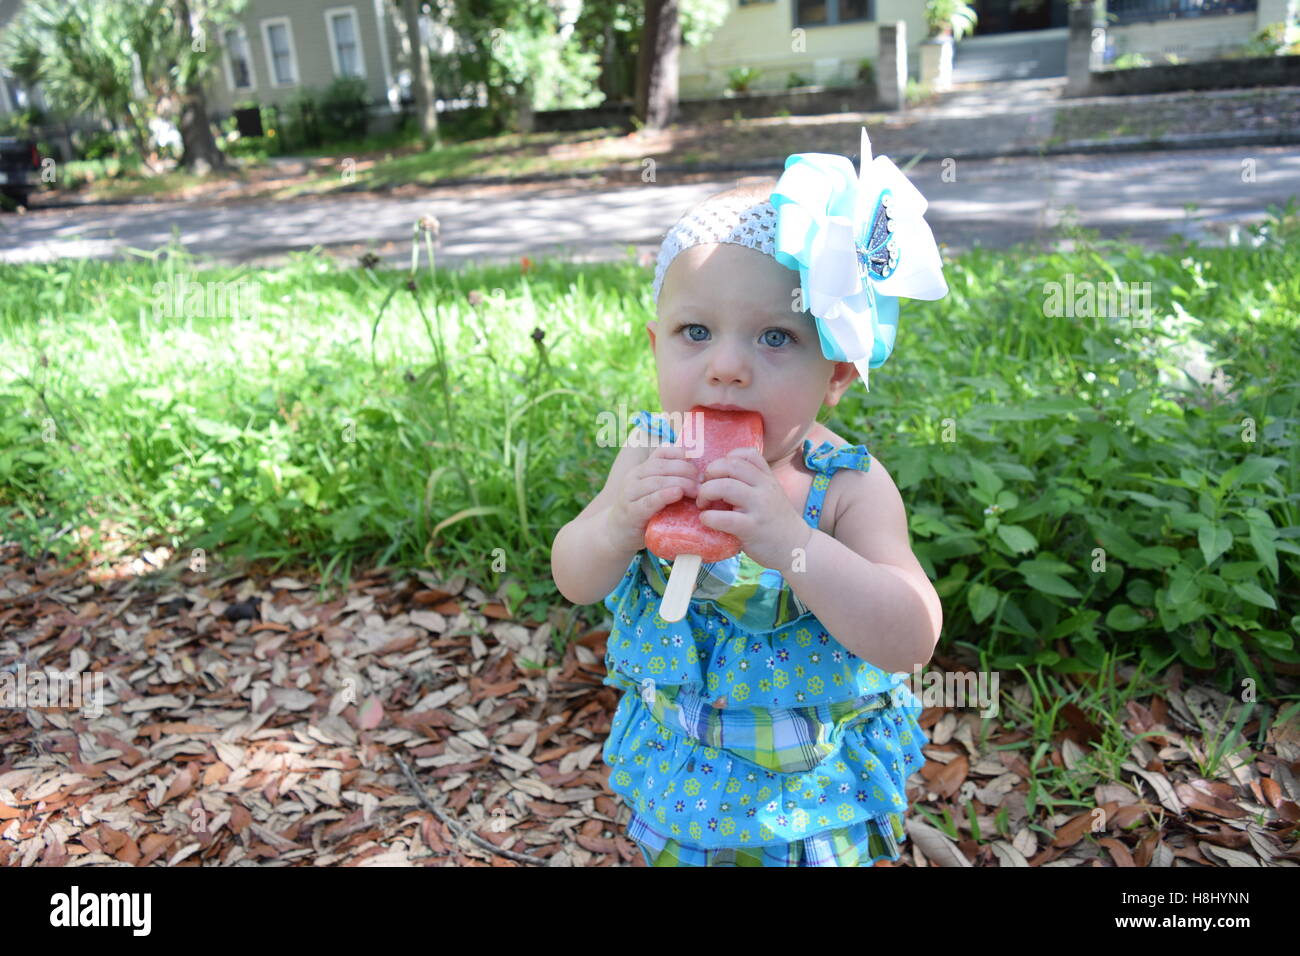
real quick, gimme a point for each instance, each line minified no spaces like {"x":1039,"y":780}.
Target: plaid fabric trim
{"x":784,"y":741}
{"x":861,"y":844}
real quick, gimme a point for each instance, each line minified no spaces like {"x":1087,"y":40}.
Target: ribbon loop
{"x":859,"y":242}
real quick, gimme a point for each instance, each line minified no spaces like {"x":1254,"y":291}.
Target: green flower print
{"x":710,"y":753}
{"x":764,"y":685}
{"x":646,"y":647}
{"x":713,"y":682}
{"x":793,"y":784}
{"x":733,"y":785}
{"x":656,"y":665}
{"x":803,"y":636}
{"x":622,"y":778}
{"x":728,"y":826}
{"x":780,"y":677}
{"x":816,"y":685}
{"x":821,"y":482}
{"x":696,"y":831}
{"x":765,"y":832}
{"x":764,"y":793}
{"x":691,"y":786}
{"x":844,"y":812}
{"x":677,"y":830}
{"x":740,"y":692}
{"x":744,"y":836}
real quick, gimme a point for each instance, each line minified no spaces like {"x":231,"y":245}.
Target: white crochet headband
{"x":733,"y":219}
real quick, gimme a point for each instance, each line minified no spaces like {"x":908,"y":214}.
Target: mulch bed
{"x":246,"y":722}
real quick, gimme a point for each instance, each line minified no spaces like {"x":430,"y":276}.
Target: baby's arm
{"x":865,"y":584}
{"x":585,"y":562}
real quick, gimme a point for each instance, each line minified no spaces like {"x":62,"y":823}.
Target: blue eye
{"x":695,"y":325}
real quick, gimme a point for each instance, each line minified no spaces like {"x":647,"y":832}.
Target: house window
{"x":277,"y":34}
{"x":816,"y":13}
{"x":239,"y":65}
{"x":345,"y":42}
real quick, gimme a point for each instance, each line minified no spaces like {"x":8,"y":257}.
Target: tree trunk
{"x":656,"y":74}
{"x":199,"y":153}
{"x":426,"y":109}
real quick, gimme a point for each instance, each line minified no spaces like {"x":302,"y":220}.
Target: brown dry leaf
{"x":1194,"y":798}
{"x":372,"y":714}
{"x":1160,"y":784}
{"x":1118,"y":851}
{"x":936,"y":847}
{"x":950,"y":778}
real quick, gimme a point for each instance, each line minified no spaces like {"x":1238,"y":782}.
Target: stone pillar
{"x":891,"y":72}
{"x":936,"y":64}
{"x":1084,"y":46}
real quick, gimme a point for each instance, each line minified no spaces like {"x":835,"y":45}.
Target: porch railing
{"x":1135,"y":11}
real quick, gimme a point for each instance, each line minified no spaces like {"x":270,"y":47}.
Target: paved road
{"x":991,"y":203}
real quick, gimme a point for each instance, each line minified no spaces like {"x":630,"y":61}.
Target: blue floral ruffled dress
{"x":746,"y":734}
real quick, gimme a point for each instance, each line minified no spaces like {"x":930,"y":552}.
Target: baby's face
{"x":727,"y":335}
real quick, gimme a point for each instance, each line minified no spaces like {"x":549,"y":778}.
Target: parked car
{"x":19,"y":159}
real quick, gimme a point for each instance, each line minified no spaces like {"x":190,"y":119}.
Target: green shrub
{"x":740,"y":79}
{"x":1069,"y":490}
{"x":1130,"y":61}
{"x":344,"y":109}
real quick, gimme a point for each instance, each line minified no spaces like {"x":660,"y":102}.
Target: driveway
{"x":993,"y":203}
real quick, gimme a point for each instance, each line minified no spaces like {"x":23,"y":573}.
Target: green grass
{"x":1068,"y":501}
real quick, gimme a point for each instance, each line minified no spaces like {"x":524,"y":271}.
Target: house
{"x":281,"y":48}
{"x":823,"y":41}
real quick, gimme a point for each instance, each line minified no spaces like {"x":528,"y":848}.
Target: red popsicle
{"x":675,"y":533}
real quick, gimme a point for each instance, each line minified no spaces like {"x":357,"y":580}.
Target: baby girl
{"x":770,"y":726}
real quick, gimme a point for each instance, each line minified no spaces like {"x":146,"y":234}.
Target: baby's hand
{"x":651,"y":486}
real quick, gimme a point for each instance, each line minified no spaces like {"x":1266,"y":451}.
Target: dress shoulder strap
{"x":825,"y":460}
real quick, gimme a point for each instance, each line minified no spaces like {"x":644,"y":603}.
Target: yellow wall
{"x":762,"y":36}
{"x":1192,"y":39}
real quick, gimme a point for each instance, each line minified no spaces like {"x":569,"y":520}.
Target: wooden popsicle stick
{"x":681,"y":585}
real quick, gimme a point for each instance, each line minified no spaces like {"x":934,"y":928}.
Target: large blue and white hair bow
{"x":858,"y":241}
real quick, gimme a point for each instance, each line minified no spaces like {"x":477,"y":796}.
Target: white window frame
{"x":330,"y":14}
{"x":225,"y":58}
{"x":266,"y":25}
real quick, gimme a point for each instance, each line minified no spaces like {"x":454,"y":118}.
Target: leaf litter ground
{"x":247,"y":722}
